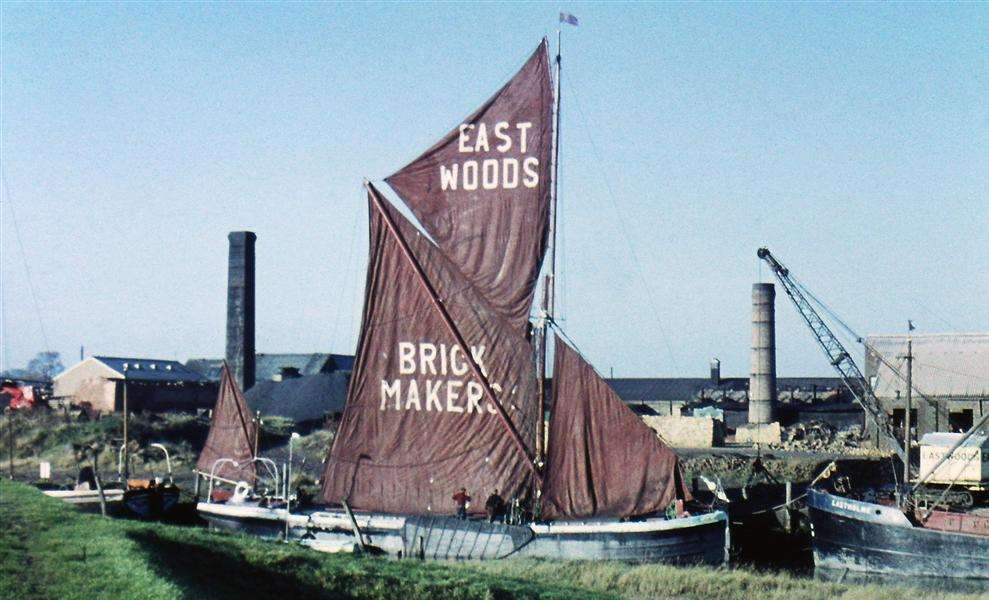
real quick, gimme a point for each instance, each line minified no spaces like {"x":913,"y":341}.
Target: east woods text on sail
{"x":505,"y":172}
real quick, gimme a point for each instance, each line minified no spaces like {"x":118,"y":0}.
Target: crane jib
{"x":840,"y":358}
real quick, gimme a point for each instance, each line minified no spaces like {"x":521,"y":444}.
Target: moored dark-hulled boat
{"x":867,"y":537}
{"x":151,"y":501}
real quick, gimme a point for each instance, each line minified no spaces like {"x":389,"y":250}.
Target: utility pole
{"x":906,"y":415}
{"x":10,"y":441}
{"x":257,"y":432}
{"x":126,"y":449}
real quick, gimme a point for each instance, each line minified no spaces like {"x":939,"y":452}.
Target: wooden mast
{"x":549,"y":289}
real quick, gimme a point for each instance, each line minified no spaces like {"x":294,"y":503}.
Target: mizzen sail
{"x":603,"y":461}
{"x":232,"y":434}
{"x":418,"y":425}
{"x":483,"y":191}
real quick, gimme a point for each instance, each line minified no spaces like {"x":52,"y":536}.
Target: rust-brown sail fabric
{"x":417,"y":426}
{"x":483,"y":191}
{"x":602,"y":460}
{"x":231,"y":434}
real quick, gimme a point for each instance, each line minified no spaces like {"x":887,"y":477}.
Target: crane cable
{"x":858,"y":338}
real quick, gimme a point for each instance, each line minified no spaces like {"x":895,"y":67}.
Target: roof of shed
{"x":151,"y":369}
{"x":305,"y":398}
{"x":944,"y":364}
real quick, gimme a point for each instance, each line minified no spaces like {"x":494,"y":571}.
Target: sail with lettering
{"x":232,"y":434}
{"x":482,"y":192}
{"x":602,"y":460}
{"x":418,"y":424}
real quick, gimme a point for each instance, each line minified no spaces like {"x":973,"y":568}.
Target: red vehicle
{"x":17,"y":397}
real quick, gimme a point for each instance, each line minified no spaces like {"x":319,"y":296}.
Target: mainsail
{"x":482,"y":192}
{"x":603,"y":461}
{"x":232,"y":434}
{"x":418,"y":425}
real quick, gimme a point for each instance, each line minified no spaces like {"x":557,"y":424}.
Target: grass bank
{"x":49,"y":550}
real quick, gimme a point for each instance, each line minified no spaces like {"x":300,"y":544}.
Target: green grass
{"x":49,"y":550}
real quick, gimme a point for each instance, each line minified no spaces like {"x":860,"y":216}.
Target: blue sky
{"x":852,"y":139}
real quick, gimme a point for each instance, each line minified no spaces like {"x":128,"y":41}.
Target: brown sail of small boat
{"x":233,"y":435}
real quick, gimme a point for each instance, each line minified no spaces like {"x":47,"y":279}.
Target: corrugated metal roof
{"x":953,"y":365}
{"x":151,"y":369}
{"x":947,"y":440}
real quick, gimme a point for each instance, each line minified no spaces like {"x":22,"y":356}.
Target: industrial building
{"x":276,"y":367}
{"x":800,"y":399}
{"x":104,"y":383}
{"x":305,"y":388}
{"x":758,"y":400}
{"x":950,"y":373}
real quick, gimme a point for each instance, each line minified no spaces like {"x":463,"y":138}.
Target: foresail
{"x":602,"y":460}
{"x":482,"y":192}
{"x":418,"y":425}
{"x":231,"y":434}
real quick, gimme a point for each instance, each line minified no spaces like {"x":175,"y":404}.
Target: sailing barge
{"x":449,"y":383}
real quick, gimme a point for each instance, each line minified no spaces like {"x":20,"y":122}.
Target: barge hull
{"x":871,"y":538}
{"x":694,"y":540}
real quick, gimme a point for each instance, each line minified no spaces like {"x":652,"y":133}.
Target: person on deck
{"x":462,"y":499}
{"x":495,"y":507}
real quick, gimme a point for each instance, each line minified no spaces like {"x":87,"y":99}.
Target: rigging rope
{"x":27,"y":267}
{"x":624,"y":228}
{"x":349,"y":283}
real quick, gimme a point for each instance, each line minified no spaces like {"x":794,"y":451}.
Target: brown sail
{"x":603,"y":461}
{"x":482,"y":192}
{"x":232,"y":434}
{"x":418,"y":425}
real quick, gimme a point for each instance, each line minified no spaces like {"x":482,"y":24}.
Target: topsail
{"x":482,"y":192}
{"x":418,"y":424}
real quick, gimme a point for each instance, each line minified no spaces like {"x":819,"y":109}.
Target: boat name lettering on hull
{"x":850,"y":506}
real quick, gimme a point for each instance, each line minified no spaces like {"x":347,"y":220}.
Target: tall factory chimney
{"x":240,"y":307}
{"x":762,"y":375}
